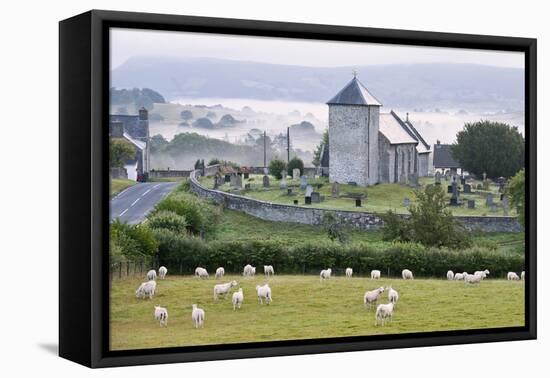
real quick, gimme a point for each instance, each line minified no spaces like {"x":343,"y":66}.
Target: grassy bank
{"x":305,"y":308}
{"x":118,"y":185}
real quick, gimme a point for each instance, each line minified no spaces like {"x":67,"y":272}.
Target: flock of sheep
{"x":383,"y":311}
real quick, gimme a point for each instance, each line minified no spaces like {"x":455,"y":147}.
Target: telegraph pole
{"x":265,"y":159}
{"x":288,"y":145}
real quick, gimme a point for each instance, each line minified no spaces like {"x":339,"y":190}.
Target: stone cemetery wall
{"x":168,"y":173}
{"x":308,"y":215}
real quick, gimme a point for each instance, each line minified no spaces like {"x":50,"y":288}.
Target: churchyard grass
{"x":305,"y":308}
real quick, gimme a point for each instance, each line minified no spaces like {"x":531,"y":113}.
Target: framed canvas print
{"x":234,"y":188}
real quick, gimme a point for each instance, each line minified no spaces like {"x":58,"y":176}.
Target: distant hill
{"x":397,"y":86}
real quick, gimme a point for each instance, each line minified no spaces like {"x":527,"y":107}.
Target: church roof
{"x":354,"y":93}
{"x":422,"y":147}
{"x":395,"y":130}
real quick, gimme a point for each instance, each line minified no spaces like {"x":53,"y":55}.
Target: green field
{"x":118,"y":185}
{"x":305,"y":308}
{"x":380,"y":198}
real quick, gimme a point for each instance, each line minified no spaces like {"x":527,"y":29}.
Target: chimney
{"x":407,"y":117}
{"x":116,"y":129}
{"x":143,"y":114}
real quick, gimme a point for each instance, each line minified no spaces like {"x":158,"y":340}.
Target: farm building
{"x":368,"y":147}
{"x":443,"y":159}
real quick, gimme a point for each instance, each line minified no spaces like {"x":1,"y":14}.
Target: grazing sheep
{"x":201,"y":272}
{"x":459,"y":276}
{"x":349,"y":272}
{"x":151,"y":275}
{"x":223,"y":289}
{"x":450,"y":275}
{"x":482,"y":273}
{"x":473,"y":278}
{"x":512,"y":276}
{"x":264,"y":292}
{"x":146,"y":289}
{"x":407,"y":274}
{"x":249,"y":271}
{"x":237,"y":299}
{"x":523,"y":275}
{"x":383,"y":312}
{"x":374,"y":274}
{"x":393,"y":295}
{"x":220,"y":272}
{"x":161,"y":314}
{"x":162,"y":272}
{"x":198,"y":316}
{"x":325,"y":274}
{"x":372,"y":296}
{"x":268,"y":270}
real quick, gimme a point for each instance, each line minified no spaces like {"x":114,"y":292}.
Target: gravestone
{"x":489,"y":199}
{"x":283,"y":184}
{"x":265,"y":181}
{"x":471,"y":204}
{"x":303,"y":182}
{"x":233,"y":180}
{"x":296,"y":173}
{"x":289,"y":192}
{"x":505,"y":205}
{"x":467,"y":188}
{"x":307,"y":200}
{"x":227,"y":178}
{"x":494,"y":207}
{"x":247,"y":186}
{"x":309,"y":190}
{"x":462,"y":180}
{"x":437,"y":178}
{"x":295,"y":202}
{"x":352,"y":183}
{"x":335,"y":190}
{"x":358,"y":202}
{"x":239,"y":181}
{"x":454,"y":197}
{"x":406,"y":202}
{"x":479,"y":187}
{"x":449,"y":188}
{"x":315,"y":197}
{"x":246,"y":175}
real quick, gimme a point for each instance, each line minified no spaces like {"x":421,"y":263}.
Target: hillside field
{"x":303,"y":307}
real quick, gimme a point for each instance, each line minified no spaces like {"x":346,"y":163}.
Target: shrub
{"x":214,"y":161}
{"x":132,"y":241}
{"x":334,"y":228}
{"x":276,"y":168}
{"x":168,"y":220}
{"x":294,"y":163}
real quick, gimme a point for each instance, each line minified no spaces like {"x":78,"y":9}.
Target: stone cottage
{"x":368,"y":147}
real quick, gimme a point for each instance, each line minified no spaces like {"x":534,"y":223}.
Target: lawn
{"x":303,"y":308}
{"x":379,"y":198}
{"x":118,"y":185}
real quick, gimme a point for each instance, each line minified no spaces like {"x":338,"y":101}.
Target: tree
{"x":120,"y":151}
{"x":317,"y":153}
{"x":516,"y":192}
{"x":186,"y":115}
{"x":294,"y":163}
{"x":276,"y":168}
{"x":495,"y":148}
{"x":334,"y":229}
{"x":157,"y":142}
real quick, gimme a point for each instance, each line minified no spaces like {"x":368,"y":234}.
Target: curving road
{"x":133,"y":204}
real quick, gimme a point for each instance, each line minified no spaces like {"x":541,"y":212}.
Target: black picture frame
{"x":84,"y":193}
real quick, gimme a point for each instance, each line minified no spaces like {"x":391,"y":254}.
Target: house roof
{"x":395,"y":130}
{"x":138,"y":143}
{"x":422,"y":147}
{"x":354,"y":93}
{"x":443,"y":157}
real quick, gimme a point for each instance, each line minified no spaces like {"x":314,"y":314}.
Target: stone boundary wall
{"x":168,"y":173}
{"x":308,"y":215}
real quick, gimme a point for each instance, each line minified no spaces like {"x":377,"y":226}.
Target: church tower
{"x":353,"y":120}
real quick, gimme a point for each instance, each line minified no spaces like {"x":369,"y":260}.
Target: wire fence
{"x":126,"y":269}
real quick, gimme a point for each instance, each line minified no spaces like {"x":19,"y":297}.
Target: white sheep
{"x":237,"y":299}
{"x":325,"y":274}
{"x":473,"y":278}
{"x":383,"y":312}
{"x":393,"y":295}
{"x":512,"y":276}
{"x":450,"y":275}
{"x":264,"y":292}
{"x":146,"y":289}
{"x":151,"y":275}
{"x":198,"y":316}
{"x":372,"y":296}
{"x":482,"y":273}
{"x":220,"y":272}
{"x":249,"y":271}
{"x":161,"y":314}
{"x":162,"y":272}
{"x":407,"y":274}
{"x":201,"y":272}
{"x":349,"y":272}
{"x":523,"y":275}
{"x":459,"y":276}
{"x":374,"y":274}
{"x":268,"y":270}
{"x":223,"y":289}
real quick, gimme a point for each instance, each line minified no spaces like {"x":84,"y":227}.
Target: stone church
{"x":367,"y":147}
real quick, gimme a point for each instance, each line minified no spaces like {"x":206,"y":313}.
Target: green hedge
{"x":183,"y":254}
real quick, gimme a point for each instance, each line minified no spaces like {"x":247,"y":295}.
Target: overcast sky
{"x":126,"y":43}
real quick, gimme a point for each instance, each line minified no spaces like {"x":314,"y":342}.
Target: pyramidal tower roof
{"x":354,"y":93}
